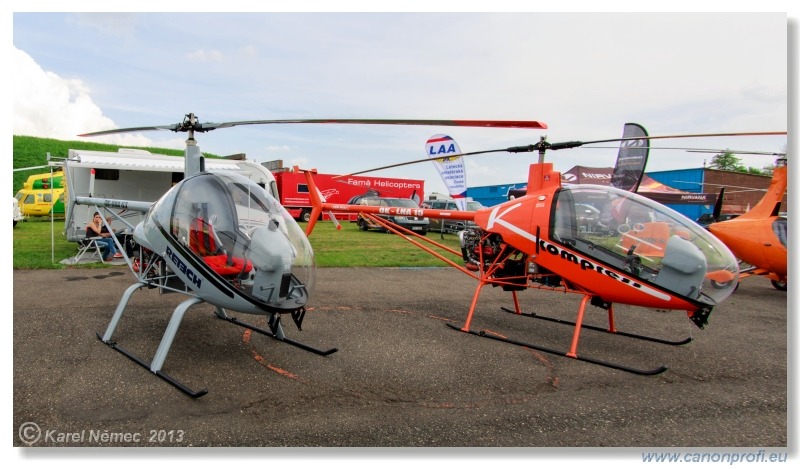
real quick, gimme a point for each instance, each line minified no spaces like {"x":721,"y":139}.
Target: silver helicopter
{"x":219,"y":238}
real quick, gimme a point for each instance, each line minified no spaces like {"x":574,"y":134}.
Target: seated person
{"x":124,"y":239}
{"x":95,"y":229}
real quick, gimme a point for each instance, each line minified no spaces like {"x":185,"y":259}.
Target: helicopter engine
{"x":476,"y":251}
{"x":480,"y":251}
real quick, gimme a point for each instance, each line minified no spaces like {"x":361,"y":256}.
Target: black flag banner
{"x":631,"y":159}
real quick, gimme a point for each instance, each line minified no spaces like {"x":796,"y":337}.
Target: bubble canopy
{"x":241,"y":233}
{"x":646,"y":239}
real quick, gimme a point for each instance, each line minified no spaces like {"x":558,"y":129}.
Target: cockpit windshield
{"x":244,"y":235}
{"x":646,"y":239}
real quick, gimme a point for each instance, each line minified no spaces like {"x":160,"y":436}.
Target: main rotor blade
{"x":652,"y":137}
{"x":423,"y":160}
{"x":173,"y":127}
{"x":31,"y":168}
{"x":208,"y":126}
{"x":705,"y":150}
{"x":753,"y":189}
{"x":433,"y":122}
{"x":544,"y":145}
{"x":736,"y":152}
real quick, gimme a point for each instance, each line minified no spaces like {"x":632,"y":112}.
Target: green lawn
{"x":36,"y":248}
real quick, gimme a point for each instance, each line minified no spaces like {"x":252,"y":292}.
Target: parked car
{"x":16,"y":212}
{"x":413,"y":223}
{"x":450,"y":226}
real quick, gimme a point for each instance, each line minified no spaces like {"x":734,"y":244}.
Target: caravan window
{"x":107,"y":174}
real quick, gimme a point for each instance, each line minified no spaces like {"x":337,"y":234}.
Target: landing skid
{"x":615,"y":366}
{"x":172,"y":328}
{"x":159,"y":373}
{"x":595,"y":328}
{"x":276,"y":333}
{"x":163,"y":347}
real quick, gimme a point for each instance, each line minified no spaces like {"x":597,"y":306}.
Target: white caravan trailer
{"x":135,"y":175}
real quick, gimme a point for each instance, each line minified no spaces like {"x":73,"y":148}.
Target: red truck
{"x":293,"y":191}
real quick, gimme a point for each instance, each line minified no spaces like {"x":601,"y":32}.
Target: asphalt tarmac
{"x":400,"y":377}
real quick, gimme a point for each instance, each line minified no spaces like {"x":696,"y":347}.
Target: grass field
{"x":40,"y":245}
{"x":35,"y":247}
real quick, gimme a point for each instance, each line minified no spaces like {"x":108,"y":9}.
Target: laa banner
{"x":451,"y":170}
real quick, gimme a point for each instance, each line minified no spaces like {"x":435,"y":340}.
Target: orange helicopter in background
{"x":652,"y":257}
{"x":759,"y":236}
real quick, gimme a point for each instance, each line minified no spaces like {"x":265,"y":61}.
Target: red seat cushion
{"x":219,"y":264}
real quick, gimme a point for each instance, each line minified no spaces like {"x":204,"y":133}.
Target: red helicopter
{"x":642,"y":254}
{"x":758,"y":237}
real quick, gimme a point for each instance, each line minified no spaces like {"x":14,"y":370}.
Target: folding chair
{"x":86,"y":245}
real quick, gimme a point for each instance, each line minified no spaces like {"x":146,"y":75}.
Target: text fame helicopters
{"x":221,"y":239}
{"x":653,"y":257}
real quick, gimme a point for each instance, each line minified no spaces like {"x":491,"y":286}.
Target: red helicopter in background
{"x":651,"y":256}
{"x":759,"y":236}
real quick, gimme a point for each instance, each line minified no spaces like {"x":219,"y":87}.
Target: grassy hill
{"x":32,"y":151}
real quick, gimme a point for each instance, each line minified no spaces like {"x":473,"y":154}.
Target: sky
{"x":583,"y":74}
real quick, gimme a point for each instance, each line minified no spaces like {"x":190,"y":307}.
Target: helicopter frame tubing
{"x":151,"y":272}
{"x":491,"y":273}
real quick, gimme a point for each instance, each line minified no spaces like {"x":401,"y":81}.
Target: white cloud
{"x":301,"y":162}
{"x":114,"y":24}
{"x":277,"y":148}
{"x":249,"y":52}
{"x":202,"y":55}
{"x":47,"y":105}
